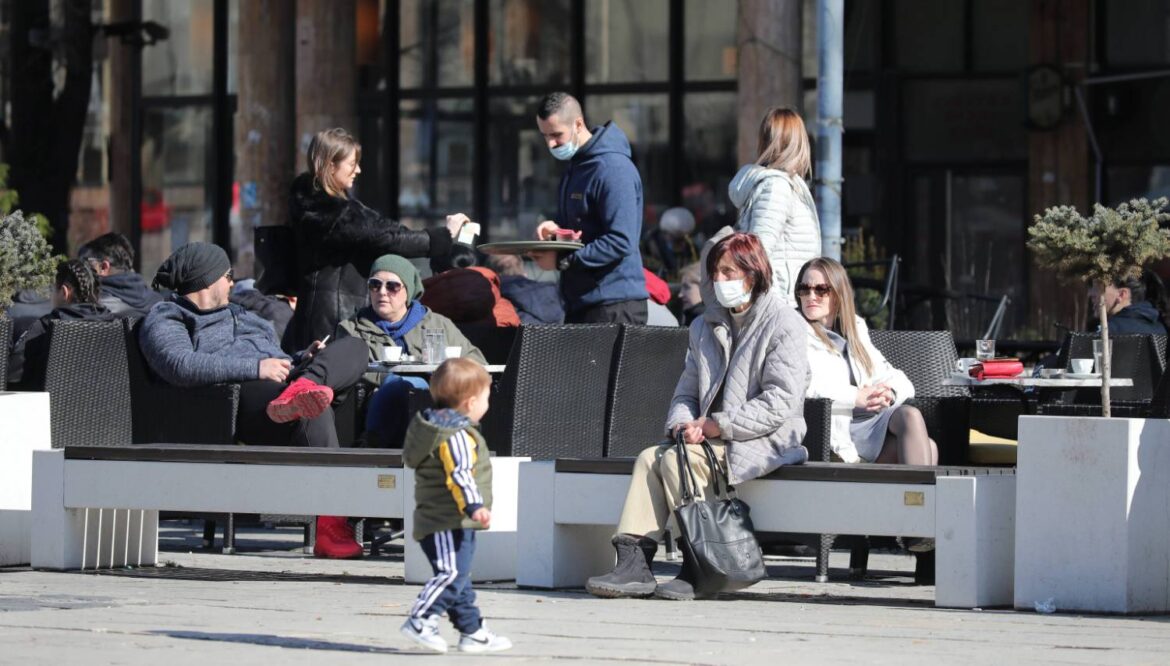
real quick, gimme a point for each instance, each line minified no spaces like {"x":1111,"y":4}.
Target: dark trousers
{"x":339,"y":366}
{"x":625,"y":312}
{"x":449,"y":590}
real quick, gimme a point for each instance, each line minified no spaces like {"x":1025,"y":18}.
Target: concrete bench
{"x":569,"y":509}
{"x":97,"y":506}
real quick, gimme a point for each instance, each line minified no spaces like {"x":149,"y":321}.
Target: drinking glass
{"x":434,"y":344}
{"x":985,"y":350}
{"x":1099,"y":354}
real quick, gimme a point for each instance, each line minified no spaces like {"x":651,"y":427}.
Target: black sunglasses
{"x":821,"y":290}
{"x":391,"y":286}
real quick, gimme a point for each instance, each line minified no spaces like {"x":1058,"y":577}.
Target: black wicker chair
{"x":552,"y":398}
{"x":646,"y":368}
{"x":1134,"y":356}
{"x":5,"y":347}
{"x":87,"y":379}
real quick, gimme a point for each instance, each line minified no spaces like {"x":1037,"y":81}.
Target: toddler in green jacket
{"x":453,"y":498}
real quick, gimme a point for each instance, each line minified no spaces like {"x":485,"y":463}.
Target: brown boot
{"x":631,"y":576}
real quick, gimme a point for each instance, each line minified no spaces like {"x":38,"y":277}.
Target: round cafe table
{"x":524,"y":247}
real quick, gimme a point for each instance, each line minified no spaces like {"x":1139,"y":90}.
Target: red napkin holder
{"x":998,"y":368}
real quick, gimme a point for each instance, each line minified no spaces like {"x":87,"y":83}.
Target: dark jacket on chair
{"x":127,"y":294}
{"x":30,"y":352}
{"x":338,"y":239}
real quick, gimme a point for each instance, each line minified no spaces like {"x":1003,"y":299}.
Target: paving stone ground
{"x":271,"y":604}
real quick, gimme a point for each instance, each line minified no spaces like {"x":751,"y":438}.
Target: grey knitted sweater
{"x":186,"y":346}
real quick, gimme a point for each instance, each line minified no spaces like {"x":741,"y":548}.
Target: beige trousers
{"x":654,"y":489}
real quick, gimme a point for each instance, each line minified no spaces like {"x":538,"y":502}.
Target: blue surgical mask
{"x":566,"y":150}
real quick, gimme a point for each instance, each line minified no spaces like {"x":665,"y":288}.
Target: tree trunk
{"x":1106,"y":353}
{"x":326,"y":70}
{"x":768,"y":38}
{"x":45,"y":137}
{"x":265,"y":124}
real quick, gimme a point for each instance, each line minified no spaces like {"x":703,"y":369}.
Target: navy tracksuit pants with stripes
{"x":449,"y":590}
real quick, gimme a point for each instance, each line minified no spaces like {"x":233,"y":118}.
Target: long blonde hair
{"x":328,"y":149}
{"x":783,"y":143}
{"x":844,"y":314}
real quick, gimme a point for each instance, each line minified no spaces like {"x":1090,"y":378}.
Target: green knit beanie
{"x":404,"y":270}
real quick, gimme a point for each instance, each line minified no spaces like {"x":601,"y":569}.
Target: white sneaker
{"x":483,"y":640}
{"x":425,"y":632}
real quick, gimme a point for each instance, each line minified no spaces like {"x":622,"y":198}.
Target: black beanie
{"x":192,"y":267}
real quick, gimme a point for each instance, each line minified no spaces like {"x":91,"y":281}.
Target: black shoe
{"x":631,"y":576}
{"x":681,"y":588}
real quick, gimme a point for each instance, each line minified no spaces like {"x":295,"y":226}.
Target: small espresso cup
{"x":392,"y":353}
{"x":963,"y":365}
{"x":452,"y":352}
{"x":1082,"y":366}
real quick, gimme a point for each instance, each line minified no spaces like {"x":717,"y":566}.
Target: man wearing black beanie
{"x":198,"y":338}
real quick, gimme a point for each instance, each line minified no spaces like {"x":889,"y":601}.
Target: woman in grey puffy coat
{"x":742,"y":389}
{"x":774,"y":201}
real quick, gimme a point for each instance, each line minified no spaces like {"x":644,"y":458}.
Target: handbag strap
{"x":716,"y":471}
{"x":687,"y":483}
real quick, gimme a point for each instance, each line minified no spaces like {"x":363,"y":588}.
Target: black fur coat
{"x":337,"y":241}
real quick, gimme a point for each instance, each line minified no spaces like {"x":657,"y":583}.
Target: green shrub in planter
{"x":26,"y":260}
{"x":1111,"y":244}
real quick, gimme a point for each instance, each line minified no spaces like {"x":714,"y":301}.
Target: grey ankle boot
{"x":631,"y":576}
{"x":682,"y":587}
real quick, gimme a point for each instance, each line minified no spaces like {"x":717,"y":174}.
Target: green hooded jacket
{"x":452,"y":471}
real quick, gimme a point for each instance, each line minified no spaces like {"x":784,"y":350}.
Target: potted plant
{"x":1111,"y":244}
{"x":1091,"y":493}
{"x":26,"y":261}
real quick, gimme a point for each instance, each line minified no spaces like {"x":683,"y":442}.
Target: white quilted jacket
{"x":763,"y":375}
{"x":778,"y":207}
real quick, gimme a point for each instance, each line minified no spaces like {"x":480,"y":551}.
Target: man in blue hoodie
{"x":600,"y":197}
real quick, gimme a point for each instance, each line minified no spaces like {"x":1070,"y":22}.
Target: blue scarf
{"x":397,"y":330}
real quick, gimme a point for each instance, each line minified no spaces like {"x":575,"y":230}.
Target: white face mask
{"x":731,"y":293}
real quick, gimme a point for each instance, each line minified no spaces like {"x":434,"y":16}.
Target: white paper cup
{"x":1082,"y":366}
{"x":391,"y":353}
{"x":452,"y":352}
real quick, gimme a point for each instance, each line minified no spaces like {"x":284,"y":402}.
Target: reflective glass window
{"x":436,"y":153}
{"x":523,"y":178}
{"x":181,"y":64}
{"x":999,"y":35}
{"x":928,"y":35}
{"x":710,"y":52}
{"x":1137,"y":32}
{"x":709,"y":152}
{"x":626,"y":41}
{"x":646,"y":122}
{"x":436,"y":43}
{"x":529,"y":42}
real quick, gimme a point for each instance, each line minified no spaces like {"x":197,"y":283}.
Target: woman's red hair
{"x":747,"y":252}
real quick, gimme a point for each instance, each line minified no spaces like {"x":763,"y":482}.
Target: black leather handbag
{"x":716,"y":533}
{"x":276,"y":260}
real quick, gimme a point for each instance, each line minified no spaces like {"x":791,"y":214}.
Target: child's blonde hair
{"x":456,"y":380}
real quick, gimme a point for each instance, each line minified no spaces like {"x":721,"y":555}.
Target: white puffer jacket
{"x":829,"y":378}
{"x":779,"y":208}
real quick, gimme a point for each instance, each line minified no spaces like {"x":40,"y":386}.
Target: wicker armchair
{"x":552,"y":397}
{"x":1138,"y":357}
{"x":174,"y":414}
{"x":5,"y":346}
{"x":86,"y":375}
{"x":646,"y":368}
{"x":927,"y":358}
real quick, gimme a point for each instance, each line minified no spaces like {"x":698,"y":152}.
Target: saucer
{"x":1082,"y":375}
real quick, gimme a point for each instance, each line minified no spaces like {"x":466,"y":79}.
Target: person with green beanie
{"x":396,"y":318}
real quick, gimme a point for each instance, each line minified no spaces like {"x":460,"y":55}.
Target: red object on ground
{"x":302,"y":399}
{"x":335,"y":539}
{"x":659,"y":290}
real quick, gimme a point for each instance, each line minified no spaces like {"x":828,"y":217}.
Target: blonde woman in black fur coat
{"x":338,"y":238}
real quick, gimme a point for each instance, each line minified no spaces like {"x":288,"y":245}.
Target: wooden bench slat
{"x":255,"y":455}
{"x":810,"y":471}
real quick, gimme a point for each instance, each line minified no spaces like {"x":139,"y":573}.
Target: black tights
{"x":907,"y":442}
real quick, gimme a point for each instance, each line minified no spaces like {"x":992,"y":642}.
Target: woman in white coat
{"x":871,"y":421}
{"x":774,"y":201}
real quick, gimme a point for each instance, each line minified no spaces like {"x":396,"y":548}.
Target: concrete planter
{"x":1093,"y":514}
{"x":24,"y":428}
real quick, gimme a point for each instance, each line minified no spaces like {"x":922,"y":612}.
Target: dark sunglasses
{"x":821,"y":290}
{"x":230,"y":276}
{"x":391,"y":286}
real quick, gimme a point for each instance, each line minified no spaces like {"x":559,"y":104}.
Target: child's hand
{"x":483,"y":516}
